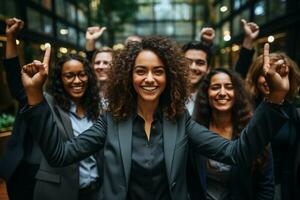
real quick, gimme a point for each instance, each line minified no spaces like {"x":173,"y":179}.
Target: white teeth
{"x":77,"y":88}
{"x":149,"y":88}
{"x":222,"y":100}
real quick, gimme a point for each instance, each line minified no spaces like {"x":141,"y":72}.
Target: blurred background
{"x":63,"y":24}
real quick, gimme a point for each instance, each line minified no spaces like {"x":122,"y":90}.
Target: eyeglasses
{"x":198,"y":62}
{"x":70,"y":76}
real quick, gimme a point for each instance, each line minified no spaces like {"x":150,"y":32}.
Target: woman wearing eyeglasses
{"x":73,"y":97}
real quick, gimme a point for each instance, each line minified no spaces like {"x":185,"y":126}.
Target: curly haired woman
{"x":146,"y":132}
{"x":285,"y":145}
{"x":224,"y":106}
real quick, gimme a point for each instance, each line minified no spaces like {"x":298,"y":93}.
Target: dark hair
{"x":122,"y":96}
{"x":241,"y":111}
{"x":242,"y":107}
{"x":196,"y":45}
{"x":90,"y":100}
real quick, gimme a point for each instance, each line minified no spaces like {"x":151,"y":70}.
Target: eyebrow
{"x":155,"y":67}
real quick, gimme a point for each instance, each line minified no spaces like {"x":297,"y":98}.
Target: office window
{"x":47,"y":25}
{"x":165,"y":28}
{"x":182,"y":12}
{"x":164,"y":10}
{"x":260,"y":12}
{"x":72,"y":35}
{"x":8,"y":8}
{"x":82,"y":19}
{"x":62,"y":31}
{"x":71,"y":12}
{"x":35,"y":20}
{"x":145,"y":12}
{"x":183,"y":28}
{"x":128,"y":30}
{"x":200,"y":11}
{"x":144,"y":1}
{"x":60,"y":7}
{"x":82,"y":39}
{"x":144,"y":29}
{"x":277,"y":8}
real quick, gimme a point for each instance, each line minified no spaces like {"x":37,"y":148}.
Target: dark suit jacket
{"x":115,"y":138}
{"x":19,"y":141}
{"x":63,"y":182}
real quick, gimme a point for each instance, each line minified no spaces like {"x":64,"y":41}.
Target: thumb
{"x":243,"y":22}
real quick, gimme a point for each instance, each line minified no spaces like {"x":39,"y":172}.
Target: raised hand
{"x":276,"y":76}
{"x":13,"y":25}
{"x":94,"y":32}
{"x":207,"y":35}
{"x":91,"y":35}
{"x":34,"y":76}
{"x":251,"y":30}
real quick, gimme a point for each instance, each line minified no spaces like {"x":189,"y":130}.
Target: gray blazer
{"x":115,"y":138}
{"x":61,"y":183}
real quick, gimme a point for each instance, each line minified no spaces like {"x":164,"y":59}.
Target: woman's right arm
{"x":11,"y":61}
{"x":57,"y":151}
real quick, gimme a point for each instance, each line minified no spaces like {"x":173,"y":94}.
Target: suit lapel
{"x":66,"y":123}
{"x":125,"y":139}
{"x":169,"y":134}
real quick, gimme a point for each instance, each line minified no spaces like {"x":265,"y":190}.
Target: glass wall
{"x":179,"y":19}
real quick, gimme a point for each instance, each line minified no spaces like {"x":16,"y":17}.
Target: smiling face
{"x":198,"y":65}
{"x":149,"y":77}
{"x":221,"y":93}
{"x":102,"y":65}
{"x":74,"y":79}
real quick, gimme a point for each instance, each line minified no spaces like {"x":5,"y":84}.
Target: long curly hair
{"x":122,"y":95}
{"x":242,"y":107}
{"x":90,"y":100}
{"x":241,"y":112}
{"x":256,"y":70}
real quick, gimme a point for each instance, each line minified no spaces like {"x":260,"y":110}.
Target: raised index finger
{"x":266,"y":54}
{"x":47,"y":55}
{"x":266,"y":58}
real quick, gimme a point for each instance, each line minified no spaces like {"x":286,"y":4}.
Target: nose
{"x":193,"y":65}
{"x":102,"y":65}
{"x":149,"y":77}
{"x":77,"y":80}
{"x":222,"y":92}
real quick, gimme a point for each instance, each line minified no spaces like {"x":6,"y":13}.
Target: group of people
{"x":153,"y":121}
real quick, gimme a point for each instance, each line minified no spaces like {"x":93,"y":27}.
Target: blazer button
{"x":173,"y":185}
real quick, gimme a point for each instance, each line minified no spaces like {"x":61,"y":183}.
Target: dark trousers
{"x":21,"y":184}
